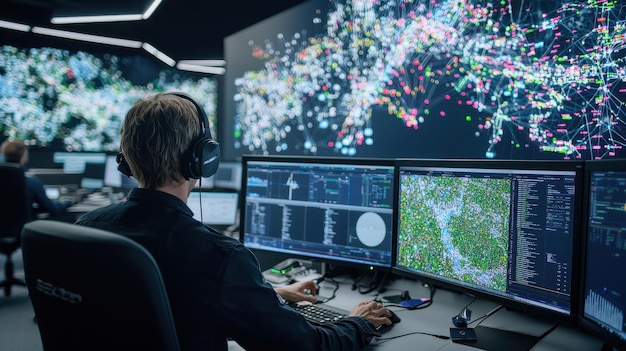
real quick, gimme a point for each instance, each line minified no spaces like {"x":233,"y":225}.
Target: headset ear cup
{"x":122,"y":165}
{"x":211,"y":158}
{"x":204,"y":159}
{"x":203,"y":156}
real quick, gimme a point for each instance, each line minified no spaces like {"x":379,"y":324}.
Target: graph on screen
{"x":473,"y":79}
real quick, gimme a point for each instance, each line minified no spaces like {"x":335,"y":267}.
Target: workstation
{"x":496,"y":247}
{"x":91,"y":180}
{"x":467,"y":177}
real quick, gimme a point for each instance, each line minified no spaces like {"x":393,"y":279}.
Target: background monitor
{"x":603,"y":300}
{"x":443,"y":79}
{"x":228,"y":176}
{"x":76,"y":162}
{"x":90,"y":166}
{"x":83,"y":169}
{"x":506,"y":230}
{"x":214,"y":207}
{"x":53,"y":192}
{"x":326,"y":209}
{"x":114,"y":178}
{"x":73,"y":96}
{"x":93,"y":176}
{"x":205,"y":183}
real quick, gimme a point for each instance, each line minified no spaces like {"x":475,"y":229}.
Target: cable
{"x":381,"y":340}
{"x":326,"y":299}
{"x":468,"y":304}
{"x":482,"y":318}
{"x":355,"y":285}
{"x":200,"y":199}
{"x":419,"y":307}
{"x":377,"y":283}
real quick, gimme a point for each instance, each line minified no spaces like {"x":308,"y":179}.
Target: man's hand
{"x":373,"y":311}
{"x":299,"y":291}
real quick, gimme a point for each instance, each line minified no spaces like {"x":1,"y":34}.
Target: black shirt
{"x":215,"y":284}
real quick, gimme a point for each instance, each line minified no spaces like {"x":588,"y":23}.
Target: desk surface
{"x":418,"y":326}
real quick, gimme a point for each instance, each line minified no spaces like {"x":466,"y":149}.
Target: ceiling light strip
{"x":151,"y":9}
{"x":14,"y":26}
{"x":108,"y":18}
{"x":95,"y":19}
{"x":202,"y":69}
{"x":158,"y":54}
{"x":201,"y":66}
{"x":87,"y":37}
{"x":212,"y":63}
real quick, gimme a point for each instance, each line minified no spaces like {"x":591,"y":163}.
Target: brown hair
{"x":13,"y":150}
{"x":157,"y":130}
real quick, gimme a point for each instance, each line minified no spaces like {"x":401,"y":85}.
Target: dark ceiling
{"x":183,"y":29}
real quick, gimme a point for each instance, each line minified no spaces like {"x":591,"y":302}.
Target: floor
{"x":18,"y":330}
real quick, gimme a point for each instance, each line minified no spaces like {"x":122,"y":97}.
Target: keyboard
{"x":319,"y":314}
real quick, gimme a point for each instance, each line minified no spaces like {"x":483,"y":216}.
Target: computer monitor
{"x":53,"y":192}
{"x":90,"y":166}
{"x":114,"y":178}
{"x":214,"y":207}
{"x":502,"y":230}
{"x":75,"y":162}
{"x":329,"y":210}
{"x":603,"y":297}
{"x":205,"y":183}
{"x":228,"y":176}
{"x":93,"y":176}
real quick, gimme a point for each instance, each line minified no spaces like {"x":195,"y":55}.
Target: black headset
{"x":201,"y":159}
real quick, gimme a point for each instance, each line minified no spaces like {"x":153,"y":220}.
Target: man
{"x":16,"y":151}
{"x":214,"y":283}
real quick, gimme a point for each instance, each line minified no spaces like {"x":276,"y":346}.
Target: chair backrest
{"x":95,"y":290}
{"x":15,"y":209}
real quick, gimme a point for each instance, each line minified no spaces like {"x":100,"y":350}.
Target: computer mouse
{"x":394,"y":317}
{"x":385,"y":328}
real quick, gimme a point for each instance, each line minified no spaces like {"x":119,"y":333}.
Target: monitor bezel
{"x":508,"y":302}
{"x":585,"y":323}
{"x":319,"y":159}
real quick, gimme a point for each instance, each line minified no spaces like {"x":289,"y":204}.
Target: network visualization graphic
{"x":76,"y":100}
{"x":543,"y":78}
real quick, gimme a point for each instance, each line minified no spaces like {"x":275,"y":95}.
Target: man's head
{"x":156,"y":132}
{"x":15,"y":151}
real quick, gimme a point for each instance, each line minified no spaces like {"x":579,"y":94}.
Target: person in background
{"x":214,"y":283}
{"x":16,"y":151}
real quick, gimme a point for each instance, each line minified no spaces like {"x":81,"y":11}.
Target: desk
{"x":437,"y":319}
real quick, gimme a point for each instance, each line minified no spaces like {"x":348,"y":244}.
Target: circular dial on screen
{"x":371,"y":229}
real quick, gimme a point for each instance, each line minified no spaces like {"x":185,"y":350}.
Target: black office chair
{"x":95,"y":290}
{"x":13,"y":215}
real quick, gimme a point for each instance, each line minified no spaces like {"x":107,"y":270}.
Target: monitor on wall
{"x":429,"y":79}
{"x":62,"y":98}
{"x":329,"y":210}
{"x":502,"y":230}
{"x":603,"y":297}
